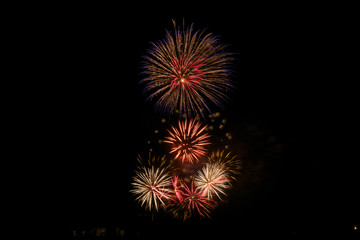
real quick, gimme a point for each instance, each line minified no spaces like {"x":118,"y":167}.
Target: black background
{"x":281,"y":116}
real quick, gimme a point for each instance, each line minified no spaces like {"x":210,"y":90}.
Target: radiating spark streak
{"x":177,"y":188}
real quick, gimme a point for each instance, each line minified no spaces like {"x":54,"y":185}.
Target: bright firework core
{"x":186,"y":70}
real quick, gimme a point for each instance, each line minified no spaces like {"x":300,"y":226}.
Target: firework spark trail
{"x":212,"y":180}
{"x":177,"y":188}
{"x":188,"y":141}
{"x":187,"y":71}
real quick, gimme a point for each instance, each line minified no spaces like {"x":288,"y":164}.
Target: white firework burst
{"x":212,"y":180}
{"x":152,"y":185}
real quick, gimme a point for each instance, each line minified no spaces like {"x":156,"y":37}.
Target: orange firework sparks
{"x":229,"y":162}
{"x":188,"y":141}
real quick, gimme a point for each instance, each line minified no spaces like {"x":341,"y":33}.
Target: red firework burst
{"x":188,"y":141}
{"x":186,"y":74}
{"x":194,"y":202}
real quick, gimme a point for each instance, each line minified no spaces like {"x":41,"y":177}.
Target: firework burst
{"x":212,"y":180}
{"x":230,"y":163}
{"x":188,"y":141}
{"x":193,"y":202}
{"x":187,"y":71}
{"x":152,"y":185}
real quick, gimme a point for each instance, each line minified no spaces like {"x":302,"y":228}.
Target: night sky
{"x":290,"y":186}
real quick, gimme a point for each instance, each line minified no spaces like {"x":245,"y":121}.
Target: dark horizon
{"x":275,"y":115}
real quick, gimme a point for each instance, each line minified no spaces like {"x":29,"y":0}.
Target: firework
{"x":188,"y":141}
{"x":212,"y":180}
{"x":230,"y":163}
{"x":193,"y":203}
{"x":187,"y":71}
{"x":177,"y":188}
{"x":152,"y":185}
